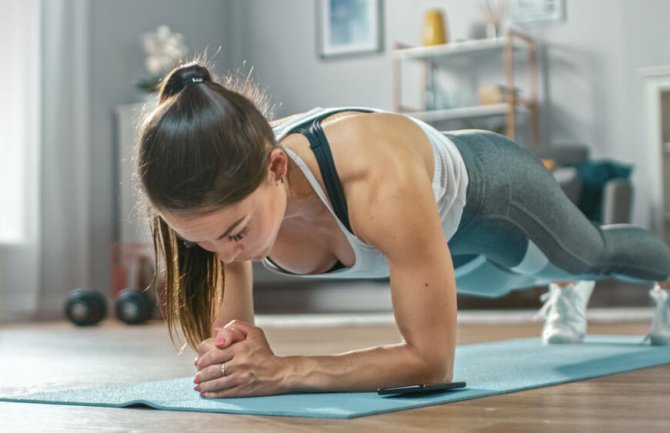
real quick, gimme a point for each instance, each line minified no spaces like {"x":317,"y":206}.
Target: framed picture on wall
{"x":528,"y":11}
{"x":348,"y":27}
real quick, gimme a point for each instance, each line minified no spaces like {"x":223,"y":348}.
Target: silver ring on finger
{"x":223,"y":369}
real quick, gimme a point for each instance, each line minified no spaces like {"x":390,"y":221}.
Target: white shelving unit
{"x":656,"y":82}
{"x":477,"y":111}
{"x":128,"y":117}
{"x":446,"y":56}
{"x":443,"y":54}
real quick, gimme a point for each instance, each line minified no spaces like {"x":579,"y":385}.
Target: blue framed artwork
{"x":529,"y":11}
{"x":348,"y":27}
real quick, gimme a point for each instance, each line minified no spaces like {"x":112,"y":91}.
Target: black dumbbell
{"x":85,"y":307}
{"x":134,"y":306}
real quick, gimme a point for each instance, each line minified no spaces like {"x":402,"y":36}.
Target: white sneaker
{"x":659,"y":334}
{"x":564,"y":311}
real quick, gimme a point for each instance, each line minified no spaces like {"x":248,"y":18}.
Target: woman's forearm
{"x":367,"y":369}
{"x":251,"y":368}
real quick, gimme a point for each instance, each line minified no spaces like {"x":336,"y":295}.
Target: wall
{"x":592,"y":93}
{"x":284,"y":53}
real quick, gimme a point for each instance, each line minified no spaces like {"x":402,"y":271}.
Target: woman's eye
{"x":238,"y":237}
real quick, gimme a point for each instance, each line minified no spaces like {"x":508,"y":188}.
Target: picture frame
{"x":348,"y":27}
{"x":531,"y":11}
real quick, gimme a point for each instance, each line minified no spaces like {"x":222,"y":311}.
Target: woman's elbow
{"x":437,"y":368}
{"x":440,"y":372}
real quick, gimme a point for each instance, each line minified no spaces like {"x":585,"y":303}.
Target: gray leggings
{"x":519,"y":230}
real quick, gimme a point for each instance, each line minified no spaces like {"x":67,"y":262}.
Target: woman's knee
{"x":634,"y":251}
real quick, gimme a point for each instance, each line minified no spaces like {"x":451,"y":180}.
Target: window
{"x":19,"y":112}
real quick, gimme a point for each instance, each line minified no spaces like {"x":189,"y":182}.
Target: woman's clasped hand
{"x":238,"y":362}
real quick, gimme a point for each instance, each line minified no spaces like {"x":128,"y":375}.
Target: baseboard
{"x":374,"y":296}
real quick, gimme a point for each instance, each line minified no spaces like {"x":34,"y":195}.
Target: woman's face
{"x":243,"y":231}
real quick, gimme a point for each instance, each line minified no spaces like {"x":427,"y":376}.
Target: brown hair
{"x":204,"y":147}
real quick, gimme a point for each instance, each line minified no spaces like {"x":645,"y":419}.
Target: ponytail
{"x":204,"y":147}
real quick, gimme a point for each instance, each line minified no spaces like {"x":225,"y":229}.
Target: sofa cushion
{"x":594,"y":176}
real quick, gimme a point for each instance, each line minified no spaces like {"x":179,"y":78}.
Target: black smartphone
{"x":420,"y":389}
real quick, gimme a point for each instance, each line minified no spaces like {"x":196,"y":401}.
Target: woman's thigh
{"x":514,"y":205}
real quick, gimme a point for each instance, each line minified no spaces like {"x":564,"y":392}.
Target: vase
{"x":434,"y":28}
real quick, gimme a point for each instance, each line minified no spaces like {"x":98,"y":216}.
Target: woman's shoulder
{"x":381,"y":158}
{"x":363,"y":143}
{"x":320,"y":112}
{"x":277,"y":123}
{"x":369,"y":146}
{"x":376,"y":133}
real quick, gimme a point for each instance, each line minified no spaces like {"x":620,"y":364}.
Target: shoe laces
{"x":561,"y":307}
{"x":662,"y":313}
{"x":661,"y":321}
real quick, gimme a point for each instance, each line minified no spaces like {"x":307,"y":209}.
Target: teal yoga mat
{"x":489,"y":369}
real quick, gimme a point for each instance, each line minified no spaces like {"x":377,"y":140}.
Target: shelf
{"x":479,"y":111}
{"x":438,"y":53}
{"x":446,"y":56}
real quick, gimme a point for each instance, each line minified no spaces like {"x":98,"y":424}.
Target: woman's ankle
{"x":665,"y":284}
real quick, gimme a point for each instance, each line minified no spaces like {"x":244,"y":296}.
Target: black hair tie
{"x":192,"y":79}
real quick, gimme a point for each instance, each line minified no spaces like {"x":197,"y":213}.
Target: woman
{"x":351,"y":193}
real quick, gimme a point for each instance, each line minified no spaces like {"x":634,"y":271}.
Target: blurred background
{"x":585,"y":84}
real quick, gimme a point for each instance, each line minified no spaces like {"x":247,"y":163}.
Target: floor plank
{"x":49,"y":356}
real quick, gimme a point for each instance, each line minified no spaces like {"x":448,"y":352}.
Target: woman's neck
{"x":301,"y":199}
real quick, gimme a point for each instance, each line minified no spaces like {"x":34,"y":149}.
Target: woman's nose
{"x":226,"y":252}
{"x":229,"y":253}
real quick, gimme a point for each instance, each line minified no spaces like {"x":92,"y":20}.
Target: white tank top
{"x":450,"y":181}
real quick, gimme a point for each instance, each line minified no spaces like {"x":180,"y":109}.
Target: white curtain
{"x":65,"y":216}
{"x":19,"y":158}
{"x":45,"y":205}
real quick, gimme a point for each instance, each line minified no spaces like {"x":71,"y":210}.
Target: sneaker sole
{"x":659,"y":340}
{"x":562,"y":339}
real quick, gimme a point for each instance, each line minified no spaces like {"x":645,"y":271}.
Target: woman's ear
{"x":277,"y":165}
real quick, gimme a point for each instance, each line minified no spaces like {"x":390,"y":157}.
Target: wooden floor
{"x":51,"y":356}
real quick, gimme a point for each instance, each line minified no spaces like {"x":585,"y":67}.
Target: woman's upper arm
{"x":237,"y":296}
{"x":405,"y":226}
